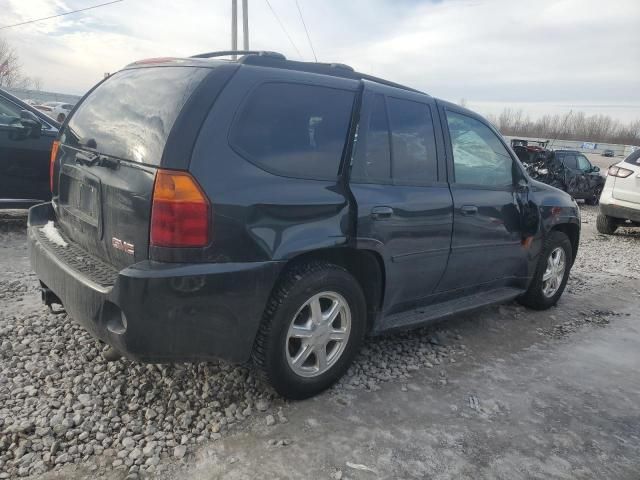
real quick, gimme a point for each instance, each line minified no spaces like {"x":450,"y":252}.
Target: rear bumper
{"x":161,"y":312}
{"x":621,"y":212}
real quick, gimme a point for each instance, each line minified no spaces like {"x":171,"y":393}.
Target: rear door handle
{"x":468,"y":210}
{"x":378,"y":213}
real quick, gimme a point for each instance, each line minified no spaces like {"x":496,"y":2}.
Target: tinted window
{"x":296,"y":130}
{"x":9,"y":113}
{"x":633,"y":158}
{"x":479,"y":156}
{"x":372,"y":160}
{"x":131,"y":114}
{"x":570,"y":161}
{"x":413,"y":142}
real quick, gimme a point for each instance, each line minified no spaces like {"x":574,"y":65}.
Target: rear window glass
{"x":294,"y":130}
{"x":372,"y":159}
{"x":413,"y":142}
{"x":633,"y":158}
{"x":130,"y":115}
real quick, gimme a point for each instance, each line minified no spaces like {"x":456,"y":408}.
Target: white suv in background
{"x":60,"y":110}
{"x":620,"y":199}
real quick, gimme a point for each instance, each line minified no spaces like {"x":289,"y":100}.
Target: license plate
{"x":80,"y":195}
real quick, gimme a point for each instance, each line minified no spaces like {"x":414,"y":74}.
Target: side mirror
{"x":595,"y":168}
{"x":31,"y":123}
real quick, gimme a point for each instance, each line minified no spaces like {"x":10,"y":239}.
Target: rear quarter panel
{"x":260,"y":216}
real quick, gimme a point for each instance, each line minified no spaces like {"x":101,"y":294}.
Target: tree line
{"x":568,"y":126}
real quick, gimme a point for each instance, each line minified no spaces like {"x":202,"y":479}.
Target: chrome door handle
{"x":468,"y":210}
{"x":378,"y":213}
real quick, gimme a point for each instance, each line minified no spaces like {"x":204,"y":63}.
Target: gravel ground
{"x":61,"y":403}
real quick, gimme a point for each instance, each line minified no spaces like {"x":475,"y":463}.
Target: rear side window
{"x":570,"y":161}
{"x":412,"y":141}
{"x":130,"y":115}
{"x":293,"y":129}
{"x":372,"y":159}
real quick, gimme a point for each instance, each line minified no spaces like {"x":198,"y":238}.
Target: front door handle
{"x":378,"y":213}
{"x":468,"y":210}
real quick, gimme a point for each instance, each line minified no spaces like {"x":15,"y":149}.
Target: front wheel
{"x":311,"y":330}
{"x":552,"y":273}
{"x":606,"y":224}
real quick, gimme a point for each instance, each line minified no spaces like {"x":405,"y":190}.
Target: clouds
{"x":569,"y":51}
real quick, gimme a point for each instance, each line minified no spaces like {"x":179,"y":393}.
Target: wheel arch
{"x":366,"y":266}
{"x":572,"y":231}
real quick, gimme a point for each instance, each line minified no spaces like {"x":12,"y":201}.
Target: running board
{"x":439,"y":311}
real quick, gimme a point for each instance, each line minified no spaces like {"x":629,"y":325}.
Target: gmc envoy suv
{"x":275,"y":212}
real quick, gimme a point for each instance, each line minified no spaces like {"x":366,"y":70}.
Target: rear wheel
{"x":605,"y":224}
{"x":311,"y":330}
{"x":552,"y":273}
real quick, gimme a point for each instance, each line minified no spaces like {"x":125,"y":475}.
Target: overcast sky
{"x":541,"y":55}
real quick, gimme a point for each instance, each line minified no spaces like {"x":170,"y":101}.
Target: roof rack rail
{"x":225,"y":53}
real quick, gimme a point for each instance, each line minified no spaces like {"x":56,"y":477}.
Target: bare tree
{"x":568,"y":126}
{"x":10,"y":68}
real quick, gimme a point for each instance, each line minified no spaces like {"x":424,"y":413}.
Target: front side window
{"x":479,"y":156}
{"x":9,"y":113}
{"x":293,"y":129}
{"x":584,"y":164}
{"x":413,"y":142}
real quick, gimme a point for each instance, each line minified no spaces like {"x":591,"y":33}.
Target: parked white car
{"x":620,"y":198}
{"x":60,"y":110}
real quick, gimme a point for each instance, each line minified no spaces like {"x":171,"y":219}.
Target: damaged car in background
{"x":568,"y":170}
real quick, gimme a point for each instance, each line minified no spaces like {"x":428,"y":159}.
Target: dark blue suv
{"x":276,"y":212}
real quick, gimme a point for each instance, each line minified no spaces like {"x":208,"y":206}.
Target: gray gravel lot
{"x":65,"y":411}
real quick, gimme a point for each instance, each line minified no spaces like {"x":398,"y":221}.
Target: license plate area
{"x":79,"y":200}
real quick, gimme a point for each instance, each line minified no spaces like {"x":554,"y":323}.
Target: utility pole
{"x":234,"y":27}
{"x":245,"y":24}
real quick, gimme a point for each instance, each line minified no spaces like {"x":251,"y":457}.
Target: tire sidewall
{"x":282,"y":376}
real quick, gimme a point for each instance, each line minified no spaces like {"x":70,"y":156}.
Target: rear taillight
{"x":619,"y":172}
{"x":52,"y":161}
{"x":180,"y":211}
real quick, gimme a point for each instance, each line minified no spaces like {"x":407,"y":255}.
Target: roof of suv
{"x":270,"y":60}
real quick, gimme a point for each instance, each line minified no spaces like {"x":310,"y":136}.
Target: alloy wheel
{"x":318,"y":334}
{"x":554,"y":273}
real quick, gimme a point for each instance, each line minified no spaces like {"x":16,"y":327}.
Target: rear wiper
{"x":91,"y":159}
{"x":87,"y":159}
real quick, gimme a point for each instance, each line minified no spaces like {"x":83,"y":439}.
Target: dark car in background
{"x":276,"y":212}
{"x":568,"y":170}
{"x":26,"y":138}
{"x":608,"y":153}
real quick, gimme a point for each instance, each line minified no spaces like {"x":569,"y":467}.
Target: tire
{"x":595,"y":198}
{"x":605,"y":224}
{"x":537,"y":296}
{"x":275,"y":350}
